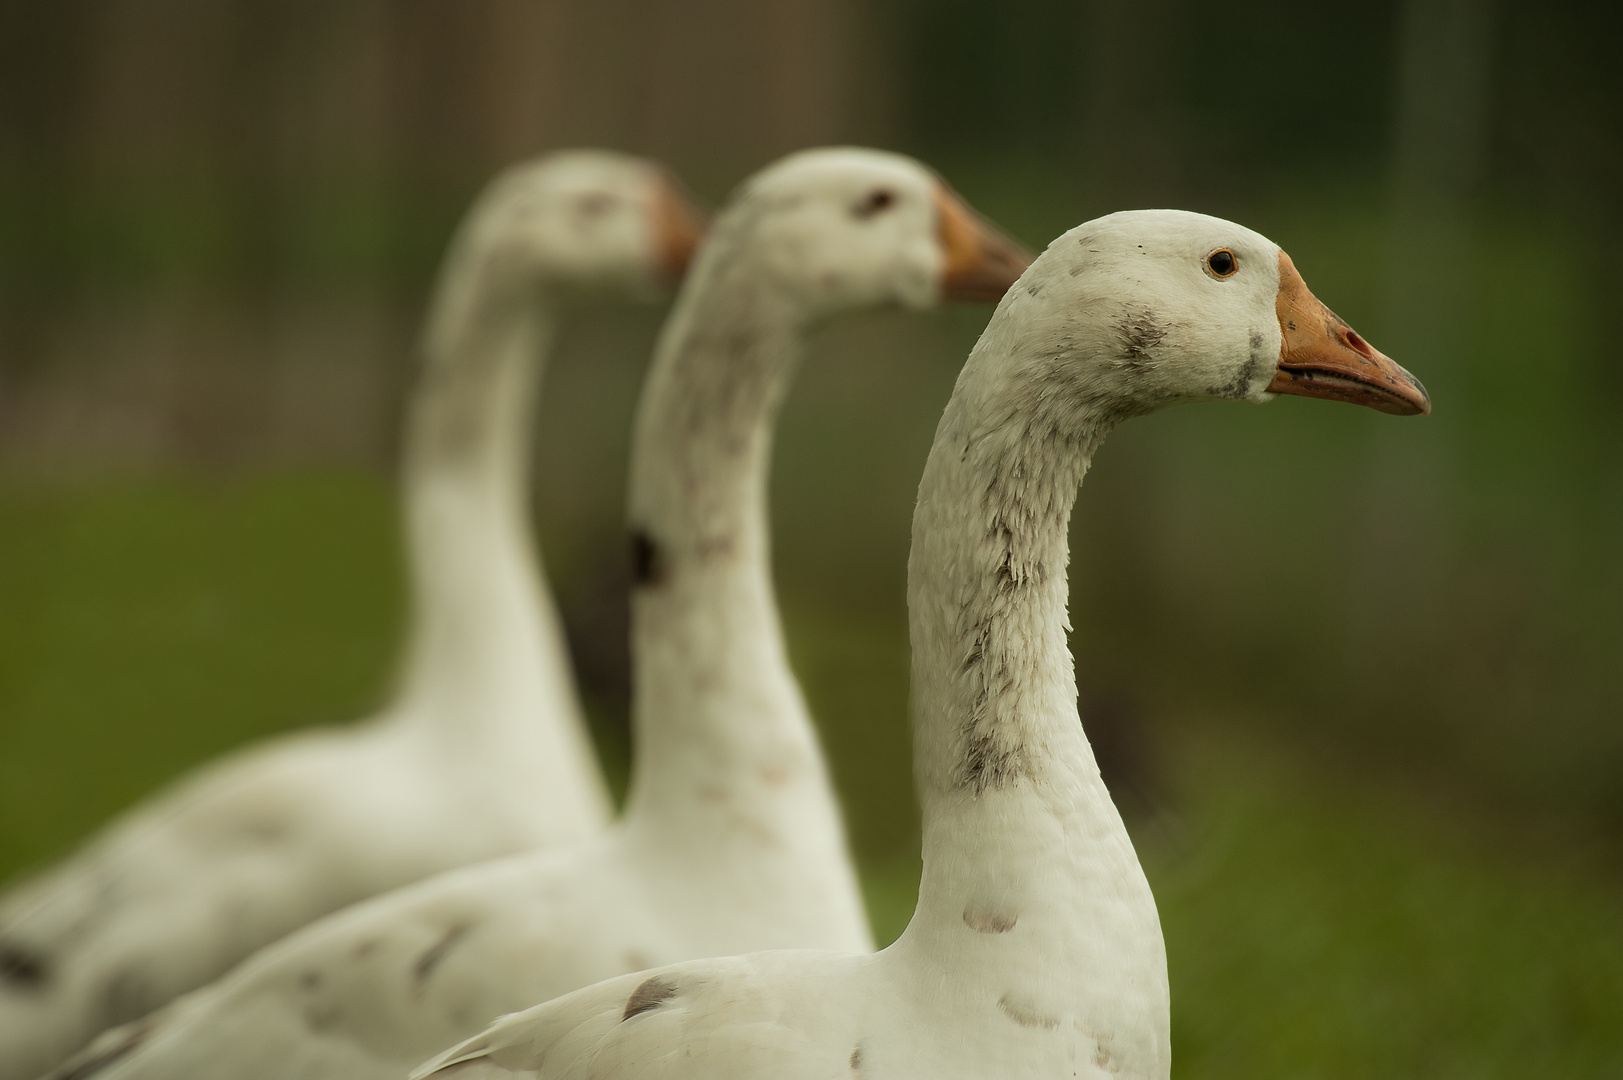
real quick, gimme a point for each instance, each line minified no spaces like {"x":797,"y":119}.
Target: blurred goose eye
{"x":1222,"y":263}
{"x":872,"y":203}
{"x":595,"y":204}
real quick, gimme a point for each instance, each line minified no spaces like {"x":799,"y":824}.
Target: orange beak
{"x":980,"y":262}
{"x":678,"y":227}
{"x":1321,"y":356}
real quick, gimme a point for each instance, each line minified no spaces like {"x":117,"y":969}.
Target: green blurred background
{"x":1353,"y":679}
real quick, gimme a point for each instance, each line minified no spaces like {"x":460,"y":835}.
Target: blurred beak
{"x":678,"y":227}
{"x":980,"y":262}
{"x":1321,"y":356}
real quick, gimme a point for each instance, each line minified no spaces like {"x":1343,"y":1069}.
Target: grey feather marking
{"x":1025,"y":1014}
{"x":1240,"y":386}
{"x":988,"y":922}
{"x":993,"y":758}
{"x":431,"y":959}
{"x":647,"y":561}
{"x":1140,"y":331}
{"x":22,"y":966}
{"x":649,"y":995}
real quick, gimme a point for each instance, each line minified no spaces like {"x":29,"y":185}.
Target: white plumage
{"x":1035,"y":950}
{"x":481,"y":753}
{"x":732,"y":838}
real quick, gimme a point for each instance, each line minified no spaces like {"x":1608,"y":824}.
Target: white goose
{"x":732,"y":837}
{"x":482,"y":752}
{"x":1035,"y":950}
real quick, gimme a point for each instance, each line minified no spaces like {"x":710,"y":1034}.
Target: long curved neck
{"x":1029,"y":876}
{"x":486,"y":661}
{"x":718,"y":714}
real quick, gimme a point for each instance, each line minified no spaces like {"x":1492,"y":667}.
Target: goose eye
{"x":875,"y":201}
{"x":595,"y":204}
{"x":1222,"y":263}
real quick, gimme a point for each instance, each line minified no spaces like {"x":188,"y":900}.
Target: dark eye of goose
{"x":1222,"y":263}
{"x":875,"y":201}
{"x":594,"y":204}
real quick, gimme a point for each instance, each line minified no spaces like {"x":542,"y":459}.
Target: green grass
{"x":148,"y":626}
{"x":1318,"y":926}
{"x":1319,"y":923}
{"x":1317,"y":930}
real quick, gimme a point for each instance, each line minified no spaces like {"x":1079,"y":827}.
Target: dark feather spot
{"x":856,"y":1059}
{"x":1140,"y":332}
{"x":1025,"y":1014}
{"x":647,"y":562}
{"x":992,"y":758}
{"x":650,"y":994}
{"x":21,"y":966}
{"x":1240,"y":385}
{"x":310,"y":980}
{"x":987,"y":922}
{"x":436,"y":953}
{"x":264,"y":830}
{"x":991,"y":761}
{"x":319,"y":1020}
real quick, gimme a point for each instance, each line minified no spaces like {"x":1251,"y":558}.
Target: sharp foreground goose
{"x":1035,"y":950}
{"x":482,"y":752}
{"x":732,"y":839}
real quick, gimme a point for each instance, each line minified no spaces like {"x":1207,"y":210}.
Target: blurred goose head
{"x":579,"y":225}
{"x":832,"y":230}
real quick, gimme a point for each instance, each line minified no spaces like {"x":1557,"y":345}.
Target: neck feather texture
{"x":719,"y":718}
{"x":1030,"y":879}
{"x":486,"y":661}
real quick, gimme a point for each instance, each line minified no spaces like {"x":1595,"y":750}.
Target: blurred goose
{"x":1035,"y":950}
{"x":482,"y":753}
{"x":732,"y":837}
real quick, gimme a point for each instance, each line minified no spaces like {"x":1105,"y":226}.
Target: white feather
{"x":481,"y":753}
{"x":732,"y":839}
{"x":1035,"y":950}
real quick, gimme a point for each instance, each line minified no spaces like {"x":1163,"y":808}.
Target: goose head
{"x":1145,"y":308}
{"x":838,"y":229}
{"x":579,"y":224}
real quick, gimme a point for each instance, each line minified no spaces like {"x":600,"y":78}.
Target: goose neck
{"x":1029,"y":879}
{"x":718,"y":716}
{"x":484,"y":350}
{"x":486,"y":661}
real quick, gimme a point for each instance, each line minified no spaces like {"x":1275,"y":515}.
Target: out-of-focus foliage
{"x":1324,"y":916}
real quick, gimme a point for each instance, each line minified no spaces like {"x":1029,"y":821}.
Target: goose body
{"x":481,"y":753}
{"x":732,"y":838}
{"x":1035,"y":950}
